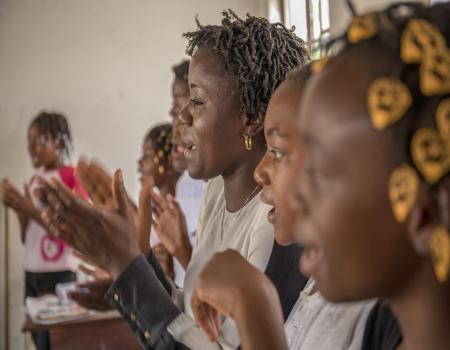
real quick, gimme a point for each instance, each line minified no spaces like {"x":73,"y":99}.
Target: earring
{"x":248,"y":142}
{"x":440,"y":252}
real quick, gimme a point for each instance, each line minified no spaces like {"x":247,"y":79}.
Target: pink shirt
{"x":44,"y":253}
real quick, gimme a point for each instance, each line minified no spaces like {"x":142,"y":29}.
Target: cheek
{"x":282,"y":194}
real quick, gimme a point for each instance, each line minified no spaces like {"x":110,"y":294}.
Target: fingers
{"x":205,"y":317}
{"x":120,"y":194}
{"x":96,"y":182}
{"x":159,"y":203}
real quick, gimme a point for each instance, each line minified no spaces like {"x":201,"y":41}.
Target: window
{"x":311,"y":19}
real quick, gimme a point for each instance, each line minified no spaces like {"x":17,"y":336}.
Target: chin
{"x":335,"y":292}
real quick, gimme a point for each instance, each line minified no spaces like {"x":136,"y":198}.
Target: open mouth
{"x":188,"y":149}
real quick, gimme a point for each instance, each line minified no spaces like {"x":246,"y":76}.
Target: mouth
{"x":310,"y":258}
{"x":189,"y":148}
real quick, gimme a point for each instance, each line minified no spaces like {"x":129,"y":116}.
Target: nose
{"x":185,"y":116}
{"x":262,"y":173}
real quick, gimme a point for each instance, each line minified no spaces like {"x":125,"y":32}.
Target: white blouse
{"x":246,"y":231}
{"x":315,"y":323}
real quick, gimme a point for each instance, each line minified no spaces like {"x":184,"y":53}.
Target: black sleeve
{"x":145,"y":304}
{"x":382,"y":330}
{"x":159,"y":271}
{"x":283,"y":271}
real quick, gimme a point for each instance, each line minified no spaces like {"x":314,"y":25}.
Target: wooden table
{"x":101,"y":331}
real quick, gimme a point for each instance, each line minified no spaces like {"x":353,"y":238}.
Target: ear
{"x":252,"y":126}
{"x":432,"y":208}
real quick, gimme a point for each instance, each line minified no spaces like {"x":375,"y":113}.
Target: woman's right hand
{"x":231,"y":286}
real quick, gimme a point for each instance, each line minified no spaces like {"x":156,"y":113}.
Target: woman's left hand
{"x":107,"y":237}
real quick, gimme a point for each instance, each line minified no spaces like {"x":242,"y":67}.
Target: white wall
{"x":106,"y":64}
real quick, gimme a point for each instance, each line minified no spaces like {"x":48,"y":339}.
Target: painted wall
{"x":106,"y":64}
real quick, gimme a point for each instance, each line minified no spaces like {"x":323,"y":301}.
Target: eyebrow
{"x":277,"y":132}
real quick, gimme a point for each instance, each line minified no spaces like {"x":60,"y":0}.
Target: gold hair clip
{"x":155,"y":160}
{"x":418,"y":38}
{"x":435,"y":72}
{"x":318,"y":65}
{"x":161,"y":153}
{"x":403,"y":186}
{"x":440,"y":253}
{"x":361,"y":28}
{"x":443,"y":118}
{"x":430,"y":153}
{"x":167,"y":147}
{"x":161,"y":169}
{"x":388,"y":100}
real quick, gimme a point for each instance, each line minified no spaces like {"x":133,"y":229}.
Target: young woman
{"x":313,"y":323}
{"x":373,"y":187}
{"x":229,"y":95}
{"x":48,"y":260}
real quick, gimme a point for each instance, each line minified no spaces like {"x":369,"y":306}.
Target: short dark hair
{"x":258,"y":52}
{"x":57,"y":125}
{"x":181,"y":70}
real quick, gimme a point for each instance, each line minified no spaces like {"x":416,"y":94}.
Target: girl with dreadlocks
{"x":235,"y":68}
{"x":48,"y":260}
{"x":374,"y":184}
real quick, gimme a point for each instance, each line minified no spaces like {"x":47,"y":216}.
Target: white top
{"x":315,"y":323}
{"x":44,"y":253}
{"x":246,"y":231}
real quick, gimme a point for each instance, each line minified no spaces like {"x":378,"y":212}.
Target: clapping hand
{"x":107,"y":237}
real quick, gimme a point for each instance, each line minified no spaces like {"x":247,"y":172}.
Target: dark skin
{"x":355,"y":249}
{"x":214,"y":133}
{"x":228,"y":284}
{"x":217,"y":127}
{"x":180,"y":98}
{"x":44,"y":152}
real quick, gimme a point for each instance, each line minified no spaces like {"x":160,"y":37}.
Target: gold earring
{"x":440,"y":252}
{"x":248,"y":142}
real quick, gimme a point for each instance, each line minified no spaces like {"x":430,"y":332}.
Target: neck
{"x":57,"y":164}
{"x":423,"y":310}
{"x":240,"y":183}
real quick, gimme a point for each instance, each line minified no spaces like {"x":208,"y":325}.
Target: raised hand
{"x":230,"y":286}
{"x":171,"y":227}
{"x":165,"y":260}
{"x":143,"y":216}
{"x":107,"y":237}
{"x":96,"y":181}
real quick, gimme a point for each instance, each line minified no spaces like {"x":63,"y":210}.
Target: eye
{"x":196,"y":102}
{"x":276,"y":155}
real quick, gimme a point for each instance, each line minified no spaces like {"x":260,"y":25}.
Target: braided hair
{"x":258,"y":52}
{"x":160,"y":137}
{"x":57,"y":126}
{"x":181,"y":70}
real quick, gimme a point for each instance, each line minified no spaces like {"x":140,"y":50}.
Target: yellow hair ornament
{"x":443,"y":118}
{"x":361,"y":28}
{"x":403,"y":186}
{"x":419,"y":38}
{"x":440,"y":253}
{"x":430,"y":153}
{"x":435,"y":72}
{"x":388,"y":100}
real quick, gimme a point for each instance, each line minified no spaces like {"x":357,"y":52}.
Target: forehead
{"x":179,"y":88}
{"x":283,"y":105}
{"x":206,"y":71}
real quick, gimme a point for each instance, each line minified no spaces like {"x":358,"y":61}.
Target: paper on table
{"x":48,"y":310}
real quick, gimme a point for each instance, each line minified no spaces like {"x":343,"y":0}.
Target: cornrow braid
{"x":57,"y":126}
{"x":258,"y":52}
{"x":160,"y":136}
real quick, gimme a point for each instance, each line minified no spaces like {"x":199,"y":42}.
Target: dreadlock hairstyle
{"x":160,"y":137}
{"x":258,"y":52}
{"x":406,"y":55}
{"x":181,"y":70}
{"x":57,"y":126}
